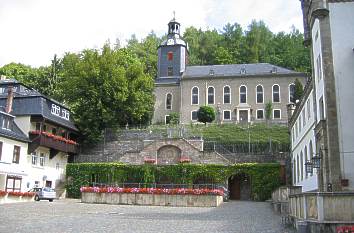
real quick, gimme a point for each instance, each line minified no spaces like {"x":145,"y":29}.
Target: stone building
{"x":321,"y":125}
{"x":238,"y":92}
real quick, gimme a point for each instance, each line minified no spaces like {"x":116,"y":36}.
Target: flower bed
{"x":12,"y":197}
{"x":153,"y":196}
{"x":21,"y":194}
{"x":55,"y":137}
{"x":180,"y":191}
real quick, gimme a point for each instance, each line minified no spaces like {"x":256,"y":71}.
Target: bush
{"x":206,"y":114}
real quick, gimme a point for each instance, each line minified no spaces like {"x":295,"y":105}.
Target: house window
{"x":54,"y":131}
{"x":260,"y":114}
{"x":167,"y":119}
{"x":276,"y":93}
{"x":243,"y":94}
{"x":292,"y":93}
{"x":227,"y":115}
{"x":319,"y":67}
{"x":210,"y":95}
{"x":16,"y":154}
{"x":302,"y":165}
{"x":34,"y":158}
{"x":169,"y":101}
{"x":194,"y":115}
{"x":169,"y":71}
{"x":57,"y":166}
{"x":259,"y":91}
{"x":276,"y":114}
{"x":6,"y":123}
{"x":13,"y":183}
{"x":0,"y":150}
{"x":44,"y":127}
{"x":41,"y":160}
{"x":195,"y":95}
{"x":38,"y":126}
{"x":227,"y":95}
{"x":170,"y":56}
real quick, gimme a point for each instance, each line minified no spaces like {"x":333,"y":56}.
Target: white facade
{"x":303,"y":145}
{"x":342,"y":34}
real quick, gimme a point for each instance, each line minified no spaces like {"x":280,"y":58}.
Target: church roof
{"x":167,"y":80}
{"x":241,"y":70}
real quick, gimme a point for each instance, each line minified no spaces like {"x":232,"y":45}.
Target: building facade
{"x":237,"y":92}
{"x":43,"y":137}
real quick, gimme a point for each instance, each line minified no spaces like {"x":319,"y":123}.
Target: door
{"x":243,"y":116}
{"x":235,"y":188}
{"x":48,"y":183}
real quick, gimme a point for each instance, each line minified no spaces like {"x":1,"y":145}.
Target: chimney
{"x":10,"y":98}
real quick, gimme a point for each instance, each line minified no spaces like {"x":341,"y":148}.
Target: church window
{"x":167,"y":119}
{"x":260,"y":114}
{"x":227,"y":95}
{"x":259,"y":91}
{"x":297,"y":169}
{"x":195,"y":95}
{"x":276,"y":114}
{"x":276,"y":93}
{"x":243,"y":94}
{"x":169,"y":101}
{"x":306,"y":158}
{"x":319,"y":67}
{"x":169,"y":71}
{"x":302,"y":165}
{"x":170,"y":56}
{"x":210,"y":95}
{"x":291,"y":93}
{"x":227,"y":115}
{"x":194,"y":115}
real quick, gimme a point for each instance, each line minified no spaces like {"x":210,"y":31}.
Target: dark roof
{"x":28,"y":101}
{"x":256,"y":69}
{"x":167,"y":80}
{"x":15,"y":133}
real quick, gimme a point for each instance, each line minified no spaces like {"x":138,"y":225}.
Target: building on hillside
{"x":48,"y":138}
{"x":329,"y":32}
{"x":238,"y":92}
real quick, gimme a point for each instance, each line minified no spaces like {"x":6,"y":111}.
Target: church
{"x":237,"y":92}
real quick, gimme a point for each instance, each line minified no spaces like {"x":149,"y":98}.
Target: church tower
{"x":172,"y":53}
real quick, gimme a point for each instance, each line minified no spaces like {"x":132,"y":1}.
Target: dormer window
{"x":211,"y":72}
{"x":6,"y":123}
{"x":170,"y":56}
{"x":243,"y":70}
{"x":274,"y":69}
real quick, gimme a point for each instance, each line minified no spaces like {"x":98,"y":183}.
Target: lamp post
{"x":308,"y":167}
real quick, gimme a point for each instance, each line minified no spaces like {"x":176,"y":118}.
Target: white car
{"x":44,"y":194}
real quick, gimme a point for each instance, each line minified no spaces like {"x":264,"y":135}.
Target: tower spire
{"x":174,"y":15}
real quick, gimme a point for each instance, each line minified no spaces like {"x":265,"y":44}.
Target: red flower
{"x":149,"y":160}
{"x":184,"y":159}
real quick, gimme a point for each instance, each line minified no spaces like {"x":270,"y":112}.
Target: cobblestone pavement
{"x":69,"y":215}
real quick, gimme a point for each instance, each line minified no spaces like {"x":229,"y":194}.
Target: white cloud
{"x":32,"y":31}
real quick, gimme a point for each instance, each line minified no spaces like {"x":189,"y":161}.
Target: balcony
{"x":55,"y":143}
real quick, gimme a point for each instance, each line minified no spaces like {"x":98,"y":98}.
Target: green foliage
{"x":299,"y":90}
{"x":206,"y":114}
{"x":264,"y":177}
{"x":174,"y":118}
{"x":268,"y":110}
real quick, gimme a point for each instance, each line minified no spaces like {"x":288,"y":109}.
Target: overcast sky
{"x":32,"y":31}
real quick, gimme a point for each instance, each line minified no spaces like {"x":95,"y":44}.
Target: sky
{"x":32,"y":31}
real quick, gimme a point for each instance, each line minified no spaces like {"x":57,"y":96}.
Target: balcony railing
{"x":55,"y":143}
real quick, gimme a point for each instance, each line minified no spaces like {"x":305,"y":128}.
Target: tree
{"x":174,"y":118}
{"x":299,"y":90}
{"x":268,"y":111}
{"x":106,"y":88}
{"x":206,"y":114}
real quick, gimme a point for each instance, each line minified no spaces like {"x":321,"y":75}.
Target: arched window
{"x":310,"y":152}
{"x":195,"y":95}
{"x":243,"y":94}
{"x":297,"y":169}
{"x":169,"y":101}
{"x":259,"y":91}
{"x":291,"y":93}
{"x":227,"y":95}
{"x":210,"y":95}
{"x":276,"y":93}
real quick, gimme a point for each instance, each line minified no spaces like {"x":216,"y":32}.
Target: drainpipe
{"x":10,"y":97}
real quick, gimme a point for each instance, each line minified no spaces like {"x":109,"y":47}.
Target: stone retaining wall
{"x":152,"y":199}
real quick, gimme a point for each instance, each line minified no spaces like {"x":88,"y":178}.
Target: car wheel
{"x":36,"y":198}
{"x":50,"y":200}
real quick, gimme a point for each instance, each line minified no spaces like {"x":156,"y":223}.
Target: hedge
{"x":265,"y":177}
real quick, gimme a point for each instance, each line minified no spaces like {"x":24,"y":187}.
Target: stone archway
{"x":168,"y":154}
{"x":240,"y":187}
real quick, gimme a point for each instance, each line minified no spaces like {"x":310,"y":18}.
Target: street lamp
{"x":316,"y":161}
{"x":308,"y":167}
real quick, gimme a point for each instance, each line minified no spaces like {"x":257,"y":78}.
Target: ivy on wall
{"x":265,"y":177}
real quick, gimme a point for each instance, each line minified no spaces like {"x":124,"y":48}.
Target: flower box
{"x":149,"y":160}
{"x":184,"y":159}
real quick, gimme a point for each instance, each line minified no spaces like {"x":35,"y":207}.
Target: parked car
{"x":226,"y":195}
{"x":44,"y":194}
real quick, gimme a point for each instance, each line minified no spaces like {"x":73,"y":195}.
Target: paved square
{"x":69,"y":215}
